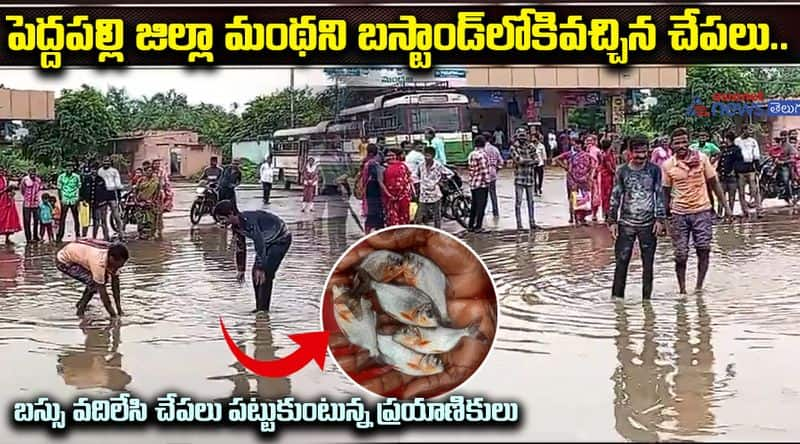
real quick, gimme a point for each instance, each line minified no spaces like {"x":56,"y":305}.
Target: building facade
{"x":181,"y":150}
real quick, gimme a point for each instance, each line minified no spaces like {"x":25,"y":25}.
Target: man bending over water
{"x":271,"y":240}
{"x":91,"y":263}
{"x":688,"y":176}
{"x":637,"y":190}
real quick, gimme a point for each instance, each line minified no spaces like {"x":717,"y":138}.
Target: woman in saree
{"x":9,"y":218}
{"x":372,"y":184}
{"x":148,"y":199}
{"x":580,"y":181}
{"x":167,"y":195}
{"x":597,"y":157}
{"x":310,"y":184}
{"x":607,"y":171}
{"x":397,"y":198}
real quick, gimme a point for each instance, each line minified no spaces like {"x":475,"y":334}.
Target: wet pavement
{"x":551,"y":209}
{"x":718,"y":365}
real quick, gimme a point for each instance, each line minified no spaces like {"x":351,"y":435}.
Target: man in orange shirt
{"x":687,"y":177}
{"x":91,"y":263}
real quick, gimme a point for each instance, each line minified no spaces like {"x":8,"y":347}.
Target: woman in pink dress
{"x":597,"y":155}
{"x":9,"y":219}
{"x":310,"y":184}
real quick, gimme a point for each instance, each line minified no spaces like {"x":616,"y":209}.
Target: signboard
{"x":386,"y":77}
{"x":617,"y":110}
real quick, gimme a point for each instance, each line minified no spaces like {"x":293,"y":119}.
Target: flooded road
{"x":716,"y":366}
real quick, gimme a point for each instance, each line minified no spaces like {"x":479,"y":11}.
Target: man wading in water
{"x":638,"y":194}
{"x":271,"y":240}
{"x":91,"y":263}
{"x":687,"y":176}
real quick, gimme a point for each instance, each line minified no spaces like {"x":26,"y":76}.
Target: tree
{"x":702,"y":82}
{"x":265,"y":114}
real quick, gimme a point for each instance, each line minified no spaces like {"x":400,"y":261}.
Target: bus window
{"x":441,"y":119}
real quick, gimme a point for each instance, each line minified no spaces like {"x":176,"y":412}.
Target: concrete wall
{"x":27,"y":105}
{"x":152,"y":145}
{"x":590,"y":77}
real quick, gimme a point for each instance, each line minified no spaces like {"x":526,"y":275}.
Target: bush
{"x":16,"y":166}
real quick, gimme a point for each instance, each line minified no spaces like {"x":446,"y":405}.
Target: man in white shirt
{"x":498,"y":137}
{"x":747,"y":169}
{"x":414,"y":158}
{"x":538,"y":169}
{"x":110,"y":176}
{"x":267,"y":171}
{"x":552,"y":142}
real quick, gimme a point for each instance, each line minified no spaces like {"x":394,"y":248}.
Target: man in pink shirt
{"x":31,"y":187}
{"x":92,"y":262}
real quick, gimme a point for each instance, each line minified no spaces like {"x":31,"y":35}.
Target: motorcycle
{"x":127,"y":210}
{"x":207,"y":198}
{"x":455,"y":204}
{"x":772,"y":186}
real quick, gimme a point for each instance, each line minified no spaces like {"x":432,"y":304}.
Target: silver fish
{"x":424,"y":274}
{"x":435,"y":340}
{"x":406,"y":304}
{"x":406,"y":360}
{"x":360,"y":331}
{"x":383,"y":265}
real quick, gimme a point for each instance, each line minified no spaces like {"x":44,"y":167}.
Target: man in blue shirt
{"x":271,"y":240}
{"x":438,"y":144}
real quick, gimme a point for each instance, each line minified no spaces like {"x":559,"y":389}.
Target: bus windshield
{"x":441,"y":119}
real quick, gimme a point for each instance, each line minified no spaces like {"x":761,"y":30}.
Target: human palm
{"x":470,"y":298}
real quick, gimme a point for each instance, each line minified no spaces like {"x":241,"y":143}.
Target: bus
{"x":333,"y":145}
{"x":400,"y":115}
{"x":404,"y":116}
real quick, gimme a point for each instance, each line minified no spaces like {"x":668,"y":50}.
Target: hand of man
{"x":614,"y":229}
{"x":259,"y":276}
{"x":240,"y":277}
{"x":660,"y":228}
{"x":470,"y":298}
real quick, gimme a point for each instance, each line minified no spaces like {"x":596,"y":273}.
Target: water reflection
{"x":662,"y":388}
{"x":98,"y":364}
{"x":10,"y":267}
{"x":263,"y":350}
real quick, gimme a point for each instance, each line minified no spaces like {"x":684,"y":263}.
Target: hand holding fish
{"x":436,"y":313}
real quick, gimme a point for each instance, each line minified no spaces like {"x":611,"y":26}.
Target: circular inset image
{"x":412,"y":312}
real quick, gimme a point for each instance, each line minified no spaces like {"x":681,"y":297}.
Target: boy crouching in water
{"x":91,"y":263}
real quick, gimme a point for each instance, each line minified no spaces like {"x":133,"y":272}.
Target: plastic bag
{"x":581,"y":201}
{"x":84,"y":216}
{"x":412,"y":210}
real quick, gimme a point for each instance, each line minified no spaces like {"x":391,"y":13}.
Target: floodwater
{"x":715,"y":366}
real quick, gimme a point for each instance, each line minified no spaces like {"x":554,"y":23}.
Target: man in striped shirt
{"x":495,"y":163}
{"x":479,"y":184}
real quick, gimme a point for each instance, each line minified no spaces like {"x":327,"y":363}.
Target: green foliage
{"x":703,"y":81}
{"x":589,"y":118}
{"x":86,"y":118}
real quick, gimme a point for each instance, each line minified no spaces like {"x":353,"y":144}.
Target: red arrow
{"x":313,"y":345}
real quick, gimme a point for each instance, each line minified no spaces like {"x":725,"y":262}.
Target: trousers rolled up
{"x":273,"y":257}
{"x":519,"y":190}
{"x":493,"y":198}
{"x":116,"y":216}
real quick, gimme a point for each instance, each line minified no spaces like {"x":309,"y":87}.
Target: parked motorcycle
{"x":206,"y":200}
{"x":455,"y":204}
{"x":127,"y":210}
{"x":771,"y":185}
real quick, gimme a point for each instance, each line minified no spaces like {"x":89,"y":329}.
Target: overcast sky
{"x":221,"y":86}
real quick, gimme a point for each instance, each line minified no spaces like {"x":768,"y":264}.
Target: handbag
{"x":581,"y":201}
{"x":84,"y":217}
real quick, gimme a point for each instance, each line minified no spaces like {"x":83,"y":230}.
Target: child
{"x":46,"y":217}
{"x":56,"y":211}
